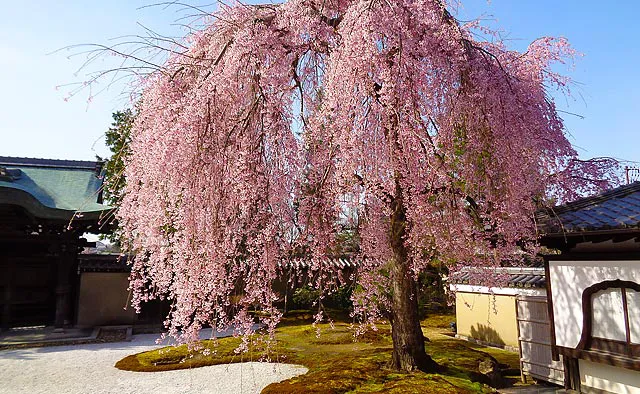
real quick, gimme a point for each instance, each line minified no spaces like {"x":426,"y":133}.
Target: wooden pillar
{"x":6,"y":309}
{"x":66,"y":258}
{"x":571,"y":374}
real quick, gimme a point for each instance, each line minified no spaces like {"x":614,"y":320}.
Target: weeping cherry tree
{"x":252,"y":142}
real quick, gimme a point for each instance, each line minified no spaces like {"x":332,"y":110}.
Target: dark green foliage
{"x":306,"y":298}
{"x":118,"y":138}
{"x":431,"y":290}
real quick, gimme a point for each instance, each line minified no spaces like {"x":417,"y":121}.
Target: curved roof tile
{"x":618,"y":208}
{"x":55,"y":189}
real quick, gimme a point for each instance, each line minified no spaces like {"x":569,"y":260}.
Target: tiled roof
{"x":517,"y":277}
{"x":103,"y":263}
{"x":612,"y":210}
{"x":91,"y":262}
{"x":333,"y":262}
{"x":55,"y":189}
{"x":37,"y":162}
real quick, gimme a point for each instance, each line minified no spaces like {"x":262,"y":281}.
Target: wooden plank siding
{"x":534,"y":336}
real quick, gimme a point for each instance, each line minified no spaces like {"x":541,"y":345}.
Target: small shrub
{"x":306,"y":297}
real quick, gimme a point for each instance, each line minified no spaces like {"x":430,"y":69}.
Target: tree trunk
{"x":408,"y":341}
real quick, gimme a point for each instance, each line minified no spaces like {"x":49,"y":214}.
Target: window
{"x":633,"y":309}
{"x":612,"y":319}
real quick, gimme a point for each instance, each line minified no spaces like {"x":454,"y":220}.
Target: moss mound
{"x":339,"y":363}
{"x":209,"y":352}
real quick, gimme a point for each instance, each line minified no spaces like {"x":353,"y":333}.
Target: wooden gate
{"x":534,"y":336}
{"x":28,"y":291}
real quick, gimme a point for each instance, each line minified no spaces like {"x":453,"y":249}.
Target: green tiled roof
{"x":55,"y":189}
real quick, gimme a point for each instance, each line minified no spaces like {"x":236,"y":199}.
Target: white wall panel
{"x":569,"y":279}
{"x":608,"y":315}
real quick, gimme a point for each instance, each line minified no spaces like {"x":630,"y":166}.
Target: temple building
{"x":45,"y":208}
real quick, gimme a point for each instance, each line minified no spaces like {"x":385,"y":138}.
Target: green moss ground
{"x":338,"y":364}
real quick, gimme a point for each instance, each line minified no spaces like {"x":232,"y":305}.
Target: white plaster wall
{"x":608,"y":378}
{"x":569,"y":279}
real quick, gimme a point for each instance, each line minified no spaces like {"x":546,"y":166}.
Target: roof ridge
{"x":41,"y":162}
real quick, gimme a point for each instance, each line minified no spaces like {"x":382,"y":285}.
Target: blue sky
{"x":37,"y":122}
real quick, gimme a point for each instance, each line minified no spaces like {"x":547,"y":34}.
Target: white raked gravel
{"x":81,"y":369}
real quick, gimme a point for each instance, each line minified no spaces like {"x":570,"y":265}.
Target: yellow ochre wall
{"x":488,"y":318}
